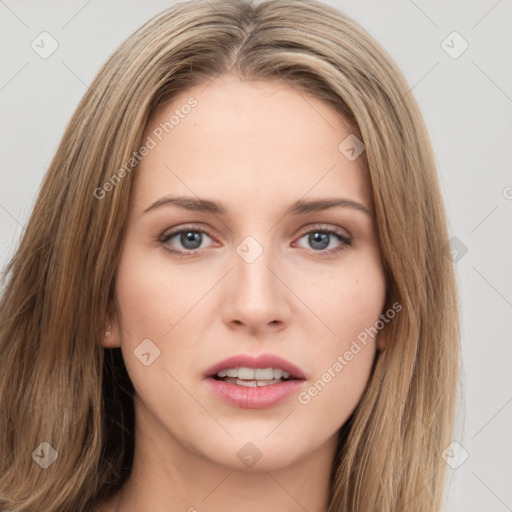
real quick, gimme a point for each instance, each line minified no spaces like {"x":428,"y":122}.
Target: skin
{"x":256,"y":147}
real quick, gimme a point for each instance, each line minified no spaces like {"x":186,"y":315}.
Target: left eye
{"x":321,"y":238}
{"x":191,"y":240}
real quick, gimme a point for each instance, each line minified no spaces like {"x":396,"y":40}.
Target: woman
{"x":234,"y":290}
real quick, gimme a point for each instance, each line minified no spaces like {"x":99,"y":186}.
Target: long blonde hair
{"x":60,"y":386}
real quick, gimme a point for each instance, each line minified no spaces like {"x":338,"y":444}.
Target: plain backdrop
{"x":457,"y":58}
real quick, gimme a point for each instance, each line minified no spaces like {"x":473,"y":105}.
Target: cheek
{"x":152,"y":297}
{"x":343,"y":343}
{"x":344,"y":300}
{"x":159,"y":301}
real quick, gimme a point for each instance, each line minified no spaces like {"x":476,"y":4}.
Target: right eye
{"x":190,"y":238}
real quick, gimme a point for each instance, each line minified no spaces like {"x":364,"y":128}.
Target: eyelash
{"x":345,"y":241}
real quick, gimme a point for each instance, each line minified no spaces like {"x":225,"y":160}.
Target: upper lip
{"x":259,"y":361}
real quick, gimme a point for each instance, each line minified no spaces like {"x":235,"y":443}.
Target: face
{"x":245,"y":275}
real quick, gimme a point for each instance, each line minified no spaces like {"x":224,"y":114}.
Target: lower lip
{"x":259,"y":397}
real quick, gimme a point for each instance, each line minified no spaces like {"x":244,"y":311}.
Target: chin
{"x":256,"y":453}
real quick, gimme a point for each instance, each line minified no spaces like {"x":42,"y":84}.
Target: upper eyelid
{"x":193,"y":227}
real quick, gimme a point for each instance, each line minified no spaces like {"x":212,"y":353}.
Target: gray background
{"x":467,"y":104}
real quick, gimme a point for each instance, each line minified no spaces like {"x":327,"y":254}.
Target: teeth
{"x":246,"y":373}
{"x":259,"y":374}
{"x":253,"y":383}
{"x":250,"y":383}
{"x":265,"y":374}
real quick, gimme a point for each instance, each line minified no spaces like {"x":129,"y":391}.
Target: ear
{"x":111,"y":338}
{"x":382,"y":341}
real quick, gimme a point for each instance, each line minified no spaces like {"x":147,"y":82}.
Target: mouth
{"x":254,"y":381}
{"x":263,"y":368}
{"x":253,"y":377}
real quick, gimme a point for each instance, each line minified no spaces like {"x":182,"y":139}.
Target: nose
{"x":256,"y":297}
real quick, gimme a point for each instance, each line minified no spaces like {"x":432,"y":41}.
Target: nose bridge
{"x":254,"y":257}
{"x":256,"y":296}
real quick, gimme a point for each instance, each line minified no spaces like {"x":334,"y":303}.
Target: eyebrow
{"x":299,"y":207}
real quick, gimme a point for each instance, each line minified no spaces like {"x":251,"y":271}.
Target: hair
{"x":59,"y":385}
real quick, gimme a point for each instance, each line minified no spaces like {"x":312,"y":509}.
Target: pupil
{"x":321,"y":238}
{"x":191,"y":237}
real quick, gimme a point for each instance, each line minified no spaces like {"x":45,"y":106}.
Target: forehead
{"x":259,"y":143}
